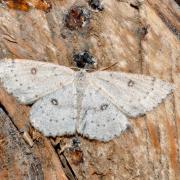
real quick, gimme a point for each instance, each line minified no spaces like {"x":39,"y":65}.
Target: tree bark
{"x":143,"y":37}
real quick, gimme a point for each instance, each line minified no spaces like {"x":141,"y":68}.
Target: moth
{"x":94,"y":104}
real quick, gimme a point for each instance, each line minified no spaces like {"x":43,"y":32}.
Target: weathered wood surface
{"x":143,"y":38}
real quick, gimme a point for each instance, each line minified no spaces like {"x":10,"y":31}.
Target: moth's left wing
{"x":135,"y":94}
{"x":29,"y":80}
{"x":55,"y":114}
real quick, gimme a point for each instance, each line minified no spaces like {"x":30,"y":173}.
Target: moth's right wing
{"x":29,"y":80}
{"x":134,"y":94}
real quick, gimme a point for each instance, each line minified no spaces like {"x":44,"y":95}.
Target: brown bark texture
{"x":143,"y":37}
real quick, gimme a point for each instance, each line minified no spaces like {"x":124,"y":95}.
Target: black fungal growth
{"x":96,"y":5}
{"x":83,"y":58}
{"x":75,"y":142}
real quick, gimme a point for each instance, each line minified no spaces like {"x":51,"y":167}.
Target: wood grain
{"x":142,"y":38}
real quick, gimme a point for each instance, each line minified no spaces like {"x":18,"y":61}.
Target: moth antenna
{"x":80,"y":68}
{"x":73,"y":67}
{"x":87,"y":69}
{"x":105,"y":68}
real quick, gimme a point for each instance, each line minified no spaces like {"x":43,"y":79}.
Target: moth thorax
{"x":81,"y":75}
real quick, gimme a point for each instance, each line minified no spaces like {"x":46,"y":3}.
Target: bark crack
{"x":141,"y":33}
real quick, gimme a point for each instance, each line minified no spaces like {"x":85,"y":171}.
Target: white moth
{"x":96,"y":105}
